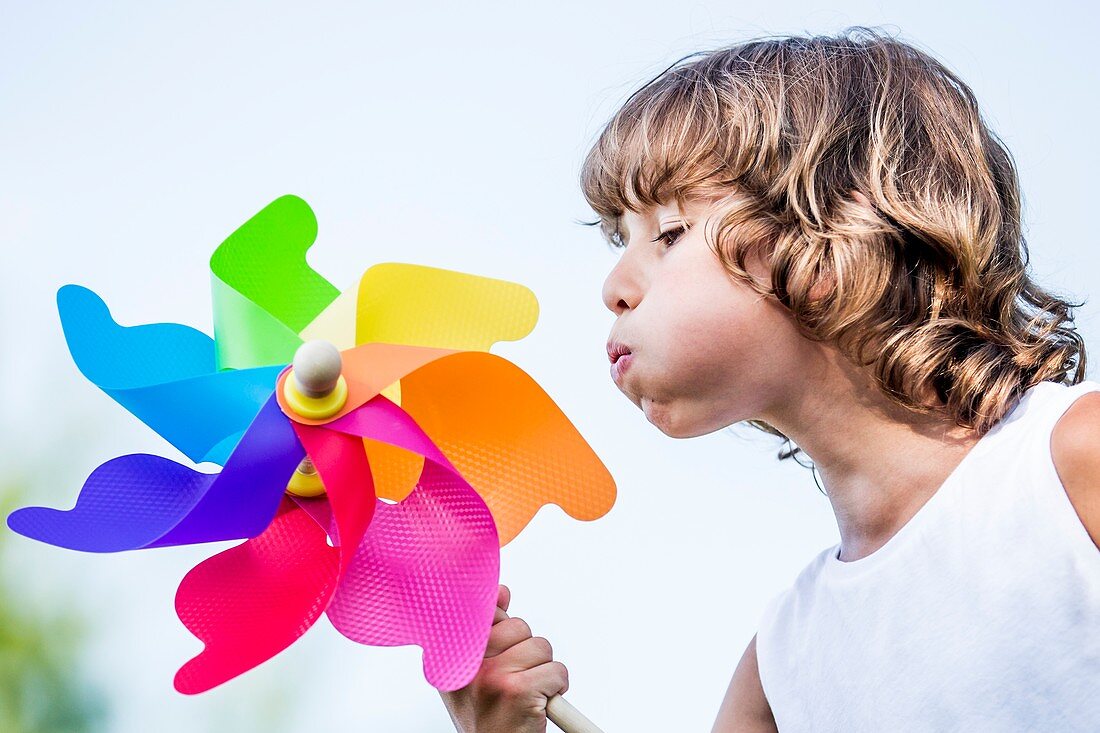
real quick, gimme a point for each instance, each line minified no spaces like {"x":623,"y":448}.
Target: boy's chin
{"x":673,"y":421}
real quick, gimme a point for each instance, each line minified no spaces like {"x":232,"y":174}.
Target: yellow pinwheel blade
{"x":416,"y":305}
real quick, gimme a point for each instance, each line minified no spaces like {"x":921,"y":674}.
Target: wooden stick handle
{"x":567,"y":717}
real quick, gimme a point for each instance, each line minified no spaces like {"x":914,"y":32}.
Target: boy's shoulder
{"x":803,"y":582}
{"x":1075,"y":451}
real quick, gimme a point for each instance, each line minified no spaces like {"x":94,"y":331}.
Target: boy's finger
{"x":504,"y":597}
{"x":505,"y":635}
{"x":548,"y":679}
{"x":525,"y":654}
{"x":500,"y":615}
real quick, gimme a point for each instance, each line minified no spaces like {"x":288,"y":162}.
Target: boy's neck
{"x":879,"y":462}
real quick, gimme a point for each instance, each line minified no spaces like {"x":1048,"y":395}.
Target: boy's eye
{"x":669,"y":236}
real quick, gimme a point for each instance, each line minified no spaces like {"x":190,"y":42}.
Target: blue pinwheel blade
{"x":166,"y":375}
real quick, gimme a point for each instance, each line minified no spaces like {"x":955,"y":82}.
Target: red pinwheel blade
{"x":341,"y":460}
{"x":250,"y":602}
{"x":254,"y":600}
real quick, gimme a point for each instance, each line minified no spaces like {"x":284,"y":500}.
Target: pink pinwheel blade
{"x":426,"y":571}
{"x":252,"y":601}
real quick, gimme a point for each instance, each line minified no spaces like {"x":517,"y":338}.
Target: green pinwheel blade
{"x":264,"y":292}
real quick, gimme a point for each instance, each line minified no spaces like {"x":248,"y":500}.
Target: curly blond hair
{"x":888,"y":210}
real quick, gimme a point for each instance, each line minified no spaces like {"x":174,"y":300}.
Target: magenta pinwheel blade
{"x":383,"y":420}
{"x":426,"y":573}
{"x":140,"y":500}
{"x":427,"y":569}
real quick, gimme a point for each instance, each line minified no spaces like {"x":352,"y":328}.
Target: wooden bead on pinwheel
{"x":316,"y":389}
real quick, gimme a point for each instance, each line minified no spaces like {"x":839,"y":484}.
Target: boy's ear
{"x":826,"y":283}
{"x":819,"y":290}
{"x":861,"y":199}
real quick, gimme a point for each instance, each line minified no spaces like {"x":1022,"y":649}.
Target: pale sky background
{"x":135,"y":137}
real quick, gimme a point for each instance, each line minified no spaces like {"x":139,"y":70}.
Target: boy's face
{"x":706,"y":351}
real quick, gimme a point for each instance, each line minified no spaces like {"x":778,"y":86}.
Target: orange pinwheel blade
{"x":396,"y":471}
{"x":508,"y":439}
{"x":498,"y":427}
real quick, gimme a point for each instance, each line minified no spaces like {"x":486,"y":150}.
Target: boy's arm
{"x":744,"y":708}
{"x":1075,"y":450}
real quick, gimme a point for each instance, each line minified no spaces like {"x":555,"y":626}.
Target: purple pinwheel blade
{"x":140,"y":500}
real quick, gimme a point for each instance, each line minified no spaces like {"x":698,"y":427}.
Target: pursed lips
{"x":616,"y":350}
{"x":620,"y":357}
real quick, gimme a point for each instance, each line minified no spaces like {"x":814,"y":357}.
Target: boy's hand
{"x":516,"y":678}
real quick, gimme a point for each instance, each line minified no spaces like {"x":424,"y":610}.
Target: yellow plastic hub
{"x":305,"y":484}
{"x":315,"y":408}
{"x":305,"y":481}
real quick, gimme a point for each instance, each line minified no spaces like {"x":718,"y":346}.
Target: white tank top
{"x":982,"y":613}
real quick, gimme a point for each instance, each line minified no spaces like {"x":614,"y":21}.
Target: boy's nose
{"x":621,"y":290}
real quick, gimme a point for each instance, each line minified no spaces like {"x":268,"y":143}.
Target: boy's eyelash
{"x":666,"y":235}
{"x":616,"y":238}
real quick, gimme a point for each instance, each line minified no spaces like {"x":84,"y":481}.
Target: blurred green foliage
{"x":41,"y":689}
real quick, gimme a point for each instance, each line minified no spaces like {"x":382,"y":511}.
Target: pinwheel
{"x":374,"y":455}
